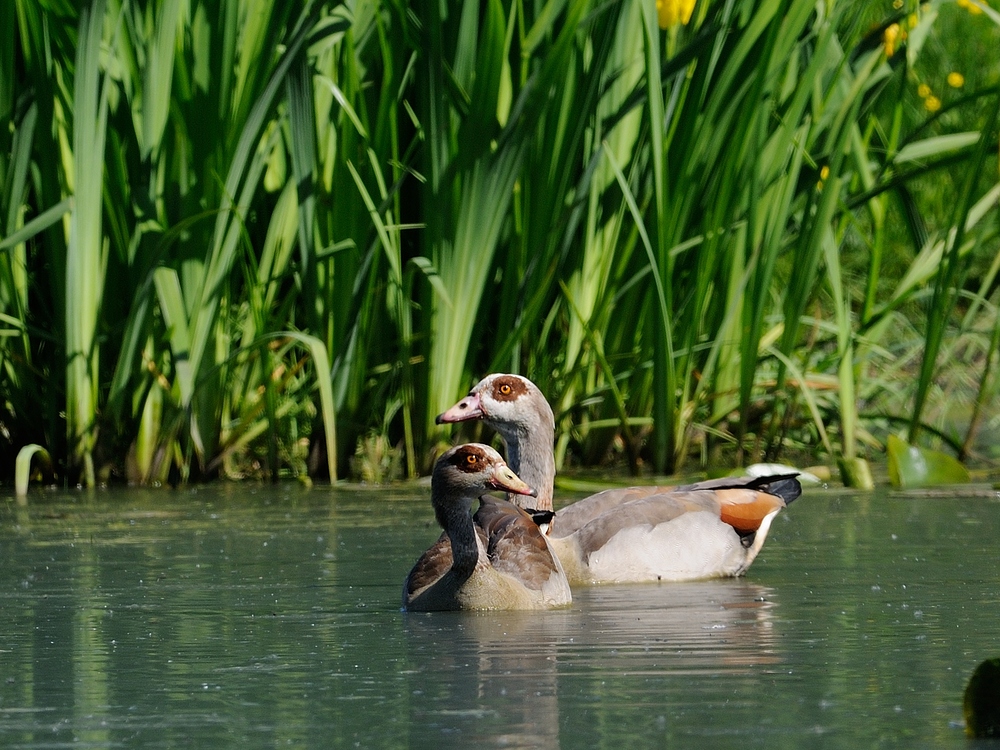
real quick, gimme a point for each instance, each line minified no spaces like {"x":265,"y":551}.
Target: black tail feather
{"x":785,"y":486}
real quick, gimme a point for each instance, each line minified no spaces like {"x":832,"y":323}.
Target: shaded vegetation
{"x":246,"y":238}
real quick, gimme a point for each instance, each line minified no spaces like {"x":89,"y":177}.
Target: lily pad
{"x":912,"y":466}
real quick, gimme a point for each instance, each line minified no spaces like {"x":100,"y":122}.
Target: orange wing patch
{"x":745,"y":509}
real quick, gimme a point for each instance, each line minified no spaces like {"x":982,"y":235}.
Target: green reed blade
{"x":86,"y":253}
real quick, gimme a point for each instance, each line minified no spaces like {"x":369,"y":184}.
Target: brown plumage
{"x":431,"y":565}
{"x":498,"y":559}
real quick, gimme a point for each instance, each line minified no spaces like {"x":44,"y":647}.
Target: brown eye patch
{"x":468,"y":460}
{"x":508,"y":389}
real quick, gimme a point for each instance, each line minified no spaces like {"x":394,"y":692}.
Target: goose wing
{"x":577,"y":515}
{"x":785,"y":486}
{"x":514,"y":543}
{"x":743,"y":509}
{"x":433,"y":564}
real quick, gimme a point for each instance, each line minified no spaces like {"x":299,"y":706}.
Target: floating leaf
{"x":911,"y":466}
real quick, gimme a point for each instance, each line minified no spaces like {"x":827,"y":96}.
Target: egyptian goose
{"x":499,"y":559}
{"x":711,"y":529}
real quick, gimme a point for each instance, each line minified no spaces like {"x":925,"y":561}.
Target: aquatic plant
{"x":236,"y":237}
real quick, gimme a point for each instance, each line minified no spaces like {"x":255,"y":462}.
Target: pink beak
{"x":468,"y":408}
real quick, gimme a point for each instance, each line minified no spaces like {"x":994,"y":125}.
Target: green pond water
{"x":270,"y":617}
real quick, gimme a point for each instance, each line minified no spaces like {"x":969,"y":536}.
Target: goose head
{"x":515,"y":407}
{"x":466,"y":471}
{"x":510,"y":404}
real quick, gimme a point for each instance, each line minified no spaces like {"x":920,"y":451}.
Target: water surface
{"x":264,"y":617}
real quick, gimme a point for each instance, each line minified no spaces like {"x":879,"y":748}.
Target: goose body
{"x":498,"y":559}
{"x":706,"y":530}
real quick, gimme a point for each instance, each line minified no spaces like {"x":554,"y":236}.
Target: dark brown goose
{"x":497,"y":560}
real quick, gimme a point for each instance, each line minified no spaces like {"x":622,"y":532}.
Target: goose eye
{"x":505,"y":389}
{"x":471,"y":459}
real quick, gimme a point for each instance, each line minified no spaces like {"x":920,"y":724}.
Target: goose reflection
{"x":494,"y":679}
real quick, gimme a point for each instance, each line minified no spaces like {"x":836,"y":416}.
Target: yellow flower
{"x":932,"y":104}
{"x":666,"y":13}
{"x":889,"y":38}
{"x":897,"y":4}
{"x":671,"y":12}
{"x":956,"y":80}
{"x":969,"y":6}
{"x":923,"y":90}
{"x":913,"y":19}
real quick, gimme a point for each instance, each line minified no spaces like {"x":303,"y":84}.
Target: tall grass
{"x":236,"y":238}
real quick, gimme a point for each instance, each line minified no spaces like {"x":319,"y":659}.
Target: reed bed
{"x":255,"y":238}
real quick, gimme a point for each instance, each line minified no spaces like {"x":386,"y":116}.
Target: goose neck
{"x":456,"y":520}
{"x":531,"y":457}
